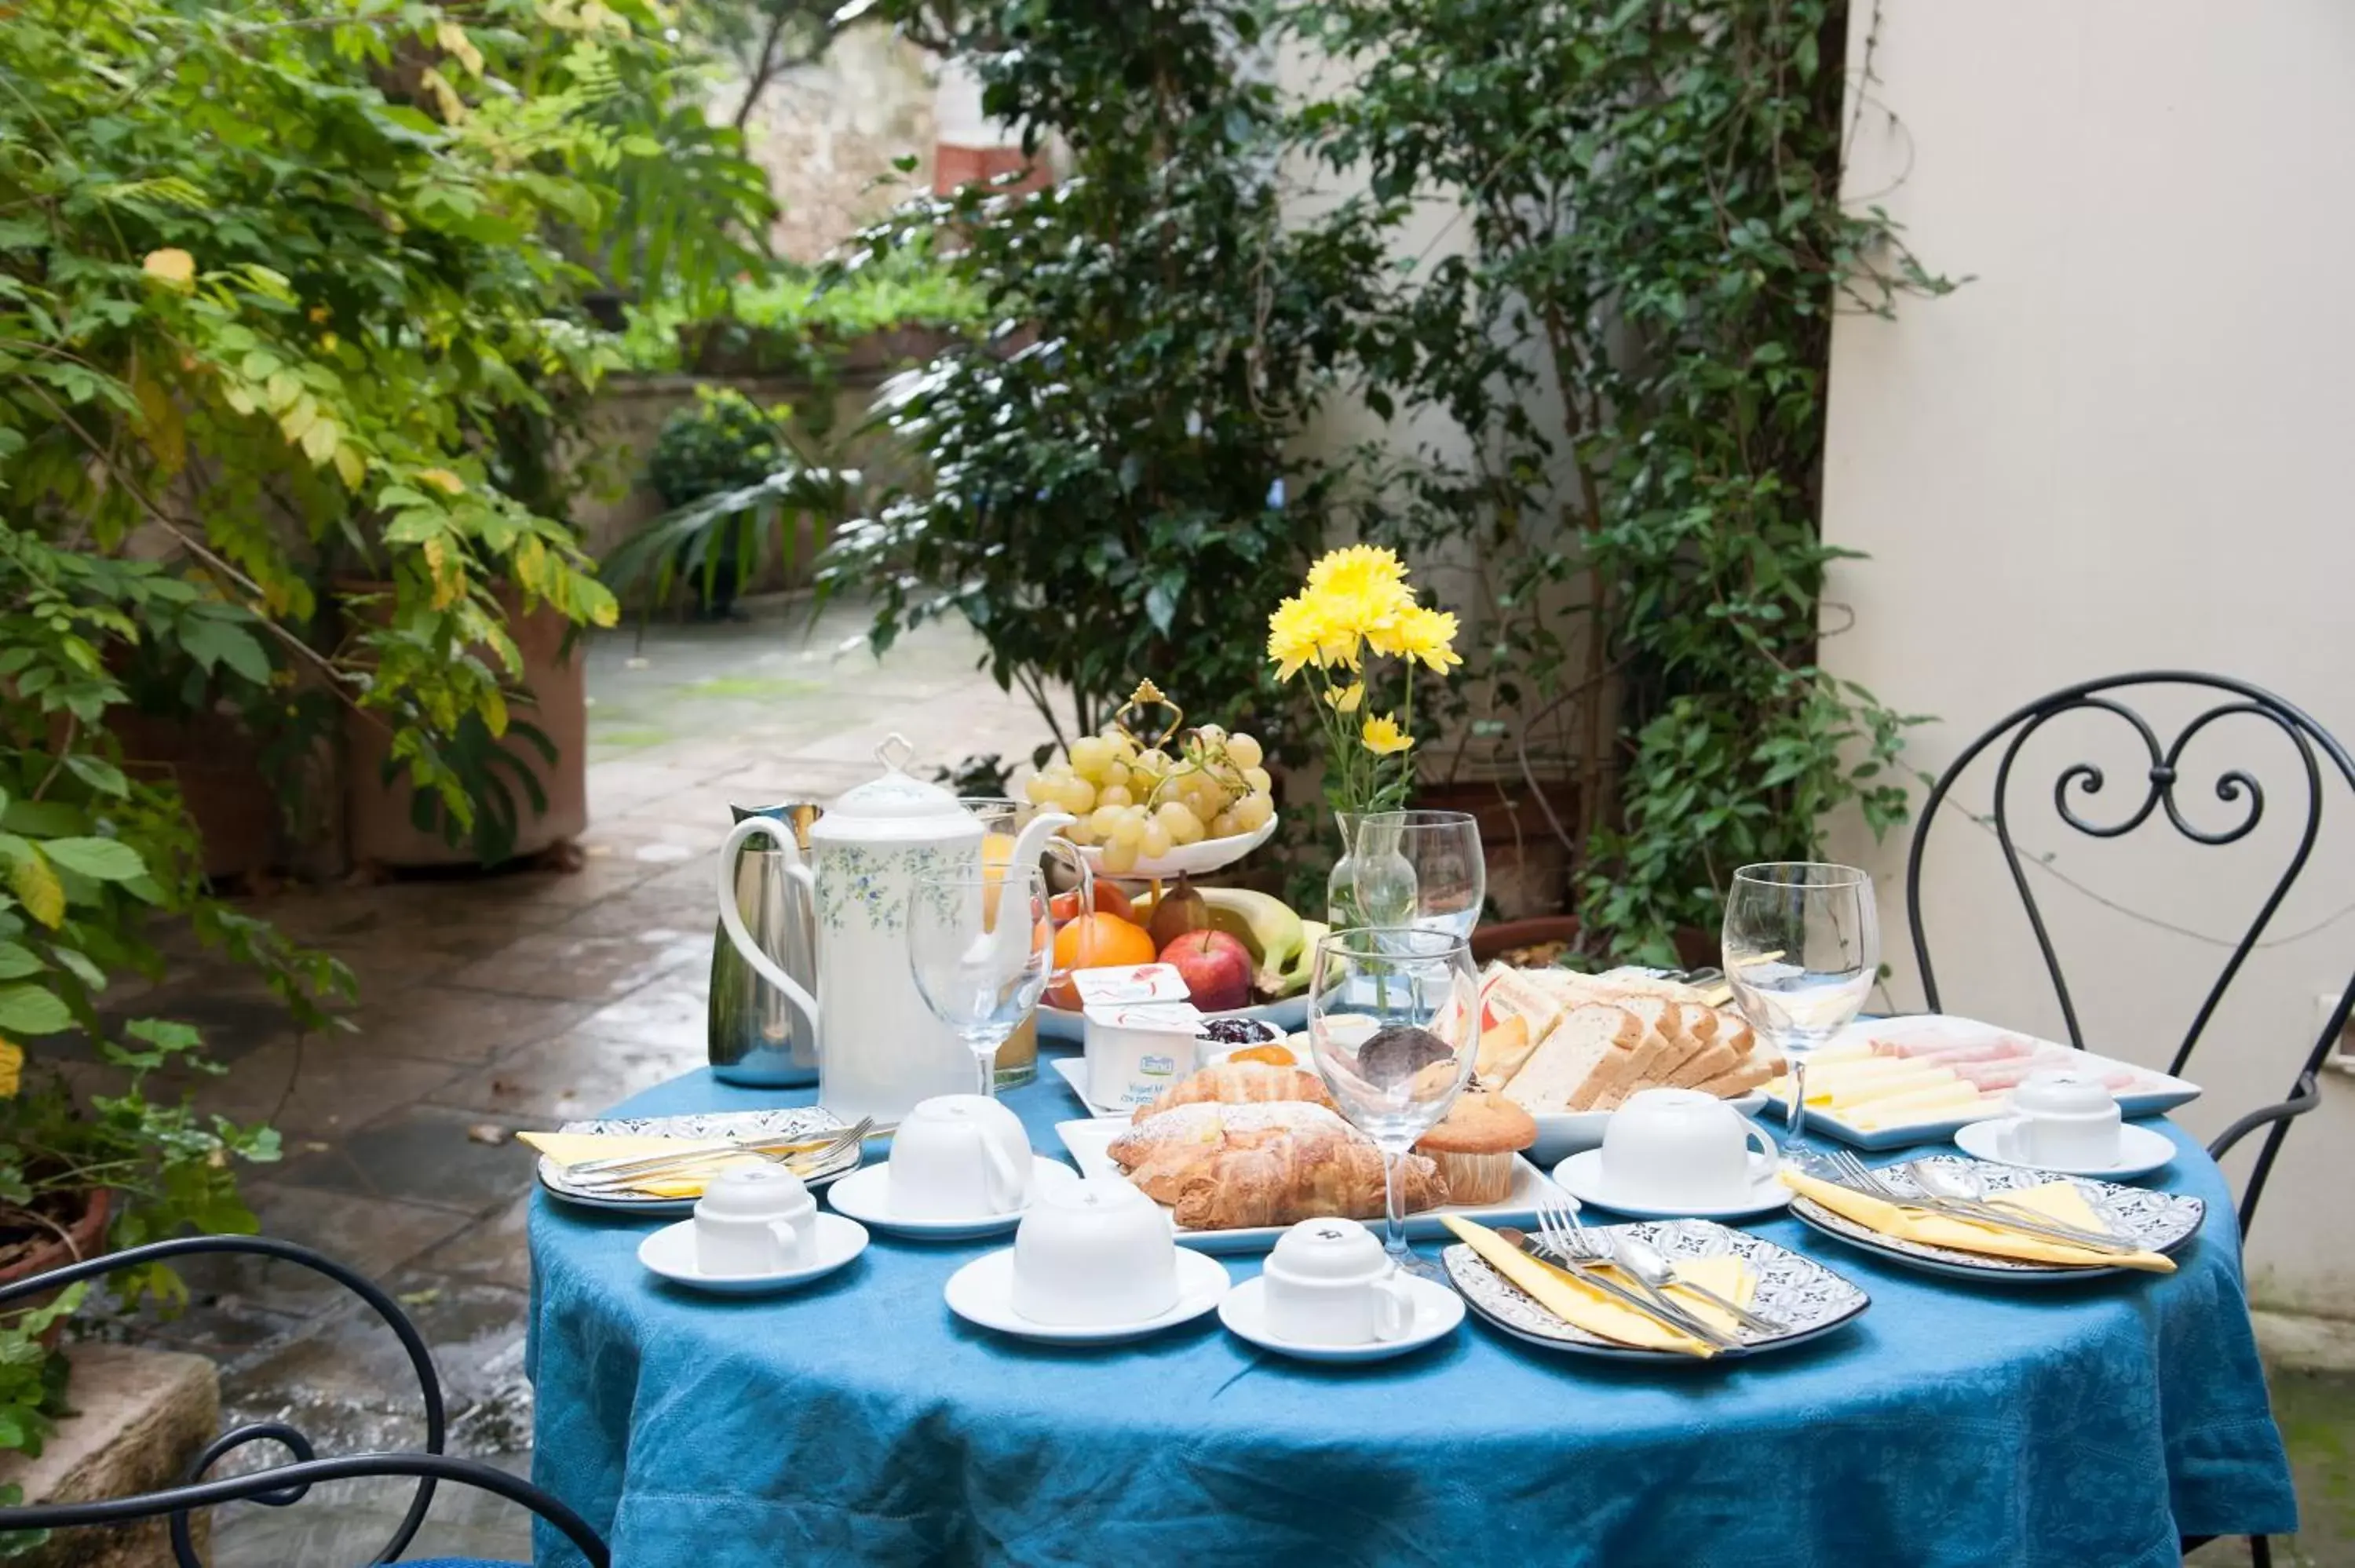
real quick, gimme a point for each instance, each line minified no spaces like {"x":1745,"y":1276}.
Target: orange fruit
{"x":1097,"y":941}
{"x":1110,"y":900}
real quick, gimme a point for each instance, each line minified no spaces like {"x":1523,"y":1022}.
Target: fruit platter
{"x":1242,"y":953}
{"x":1150,"y":810}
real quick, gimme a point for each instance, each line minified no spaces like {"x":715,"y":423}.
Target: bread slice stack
{"x":1607,"y":1037}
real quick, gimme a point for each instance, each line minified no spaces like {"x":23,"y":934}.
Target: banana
{"x":1294,"y":975}
{"x":1267,"y":926}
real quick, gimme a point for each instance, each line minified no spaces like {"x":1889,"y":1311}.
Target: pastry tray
{"x":1089,"y":1142}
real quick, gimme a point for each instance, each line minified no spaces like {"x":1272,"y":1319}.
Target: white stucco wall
{"x":2124,"y":444}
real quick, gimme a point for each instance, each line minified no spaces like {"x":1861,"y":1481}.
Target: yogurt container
{"x":1135,"y":1050}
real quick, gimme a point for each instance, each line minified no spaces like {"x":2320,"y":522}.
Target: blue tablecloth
{"x":2081,"y":1426}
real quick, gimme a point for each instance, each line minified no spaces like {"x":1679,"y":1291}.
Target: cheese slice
{"x":1864,"y":1094}
{"x":1504,"y":1046}
{"x":1935,"y":1105}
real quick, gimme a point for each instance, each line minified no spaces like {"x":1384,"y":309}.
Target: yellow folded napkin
{"x":2054,"y":1200}
{"x":570,"y":1149}
{"x":1581,"y":1306}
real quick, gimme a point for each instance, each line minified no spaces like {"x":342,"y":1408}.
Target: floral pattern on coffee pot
{"x":880,"y":1049}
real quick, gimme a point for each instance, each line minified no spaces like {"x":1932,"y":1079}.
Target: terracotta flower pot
{"x":378,"y":814}
{"x":85,"y":1237}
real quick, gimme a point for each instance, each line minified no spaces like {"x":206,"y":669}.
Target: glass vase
{"x":1341,"y":911}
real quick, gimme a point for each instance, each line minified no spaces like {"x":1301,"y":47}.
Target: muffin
{"x":1476,"y":1145}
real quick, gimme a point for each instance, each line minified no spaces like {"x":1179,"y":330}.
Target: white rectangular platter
{"x":1073,"y":1071}
{"x":1290,"y":1014}
{"x":2151,"y":1093}
{"x":1090,"y":1142}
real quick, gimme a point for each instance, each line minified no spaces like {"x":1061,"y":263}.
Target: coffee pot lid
{"x":897,"y":796}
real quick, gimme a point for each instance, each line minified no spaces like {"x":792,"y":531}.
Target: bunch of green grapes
{"x":1138,"y":802}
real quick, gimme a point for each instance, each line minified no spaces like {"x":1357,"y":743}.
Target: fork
{"x":1582,"y":1253}
{"x":806,"y":1161}
{"x":1858,"y":1177}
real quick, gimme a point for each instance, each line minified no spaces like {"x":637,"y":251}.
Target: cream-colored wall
{"x":2124,"y":444}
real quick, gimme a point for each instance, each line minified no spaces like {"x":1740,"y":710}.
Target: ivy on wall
{"x":1636,"y":334}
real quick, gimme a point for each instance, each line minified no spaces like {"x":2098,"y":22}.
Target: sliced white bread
{"x":1645,"y":1064}
{"x":1588,"y":1040}
{"x":1763,"y":1064}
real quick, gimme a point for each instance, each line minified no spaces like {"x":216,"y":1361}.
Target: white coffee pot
{"x":880,"y":1050}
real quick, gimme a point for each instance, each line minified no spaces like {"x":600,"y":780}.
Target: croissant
{"x":1239,"y":1083}
{"x":1290,"y":1179}
{"x":1225,"y":1167}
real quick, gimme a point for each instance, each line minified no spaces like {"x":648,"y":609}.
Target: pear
{"x":1179,"y":910}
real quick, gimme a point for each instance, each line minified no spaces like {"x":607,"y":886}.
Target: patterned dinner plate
{"x":2162,"y":1222}
{"x":1810,"y":1298}
{"x":705,"y":1127}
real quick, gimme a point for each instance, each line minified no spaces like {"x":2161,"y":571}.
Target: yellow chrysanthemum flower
{"x":1429,"y":635}
{"x":1356,"y":570}
{"x":12,"y":1068}
{"x":1295,"y":635}
{"x":1345,"y":699}
{"x":1384,"y":737}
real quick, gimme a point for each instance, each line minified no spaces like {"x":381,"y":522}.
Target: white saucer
{"x":982,"y":1292}
{"x":670,"y":1252}
{"x":866,"y":1196}
{"x":1580,"y":1176}
{"x":1437,"y":1310}
{"x":2141,"y":1150}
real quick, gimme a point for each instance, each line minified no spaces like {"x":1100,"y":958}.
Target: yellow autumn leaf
{"x":37,"y":887}
{"x":453,"y":40}
{"x":12,"y":1068}
{"x":350,"y":465}
{"x":449,"y":577}
{"x":442,"y":480}
{"x":171,"y":266}
{"x":445,"y":97}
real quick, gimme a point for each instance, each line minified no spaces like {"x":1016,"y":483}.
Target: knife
{"x":1666,"y":1314}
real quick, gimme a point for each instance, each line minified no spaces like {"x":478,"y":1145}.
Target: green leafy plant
{"x":742,"y":495}
{"x":1635,"y":336}
{"x":286,"y":299}
{"x":1115,"y":485}
{"x":800,"y":321}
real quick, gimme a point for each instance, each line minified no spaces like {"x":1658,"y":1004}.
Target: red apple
{"x":1216,"y":969}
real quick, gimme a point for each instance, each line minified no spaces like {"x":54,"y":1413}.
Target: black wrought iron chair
{"x":2311,"y":748}
{"x":283,"y":1485}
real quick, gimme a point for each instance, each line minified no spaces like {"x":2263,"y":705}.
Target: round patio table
{"x":2082,"y":1425}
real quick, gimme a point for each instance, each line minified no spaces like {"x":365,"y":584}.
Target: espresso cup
{"x":1680,"y":1148}
{"x":957,"y":1155}
{"x":1093,"y":1253}
{"x":755,"y":1220}
{"x":2067,"y":1117}
{"x":1328,"y":1282}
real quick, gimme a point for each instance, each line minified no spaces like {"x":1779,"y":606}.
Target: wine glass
{"x":980,"y":944}
{"x":1802,"y":948}
{"x":1394,"y":1029}
{"x":1422,"y":868}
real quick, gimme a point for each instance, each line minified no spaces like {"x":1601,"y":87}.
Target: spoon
{"x":1650,"y":1264}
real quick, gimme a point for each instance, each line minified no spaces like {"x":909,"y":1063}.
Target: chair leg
{"x":2261,"y":1550}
